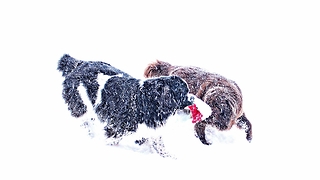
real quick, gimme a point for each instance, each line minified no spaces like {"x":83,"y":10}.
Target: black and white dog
{"x":94,"y":89}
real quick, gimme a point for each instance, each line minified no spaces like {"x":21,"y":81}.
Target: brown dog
{"x":221,"y":94}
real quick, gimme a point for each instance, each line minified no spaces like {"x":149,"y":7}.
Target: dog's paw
{"x":141,"y":141}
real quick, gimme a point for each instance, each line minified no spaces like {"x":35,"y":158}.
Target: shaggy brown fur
{"x":221,"y":94}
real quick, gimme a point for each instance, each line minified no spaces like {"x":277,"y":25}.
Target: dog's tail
{"x":156,"y":69}
{"x":67,"y":64}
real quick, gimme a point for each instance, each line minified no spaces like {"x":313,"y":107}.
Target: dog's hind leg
{"x":244,"y":123}
{"x":112,"y":136}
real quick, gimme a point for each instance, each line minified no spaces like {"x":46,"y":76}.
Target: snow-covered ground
{"x":269,"y":48}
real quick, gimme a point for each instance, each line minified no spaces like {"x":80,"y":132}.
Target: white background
{"x":269,"y":48}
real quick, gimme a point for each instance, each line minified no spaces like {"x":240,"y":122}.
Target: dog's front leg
{"x":141,"y":141}
{"x":158,"y":145}
{"x":112,"y":136}
{"x":199,"y":129}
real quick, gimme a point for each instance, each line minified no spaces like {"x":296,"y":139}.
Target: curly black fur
{"x":125,"y":103}
{"x":76,"y":72}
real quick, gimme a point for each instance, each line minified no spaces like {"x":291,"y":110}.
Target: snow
{"x":269,"y":48}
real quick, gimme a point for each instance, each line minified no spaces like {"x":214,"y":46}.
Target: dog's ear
{"x":150,"y":70}
{"x":156,"y":69}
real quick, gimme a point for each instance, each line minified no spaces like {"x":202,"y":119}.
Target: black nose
{"x":189,"y":103}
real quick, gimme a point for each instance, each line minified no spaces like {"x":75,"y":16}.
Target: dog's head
{"x":161,"y":97}
{"x":157,"y":69}
{"x":180,"y":91}
{"x":168,"y":92}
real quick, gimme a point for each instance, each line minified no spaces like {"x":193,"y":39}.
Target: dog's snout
{"x":189,"y":100}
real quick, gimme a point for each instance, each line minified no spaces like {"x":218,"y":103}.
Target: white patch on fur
{"x":89,"y":121}
{"x":89,"y":117}
{"x":102,"y":79}
{"x":141,"y":82}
